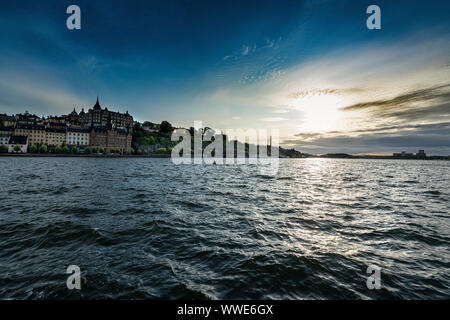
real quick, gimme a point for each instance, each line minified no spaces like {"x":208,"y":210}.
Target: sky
{"x":311,"y":69}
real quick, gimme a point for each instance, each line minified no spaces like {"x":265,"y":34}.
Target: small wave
{"x":433,"y":192}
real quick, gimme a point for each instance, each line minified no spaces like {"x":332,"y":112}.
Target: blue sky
{"x":309,"y":68}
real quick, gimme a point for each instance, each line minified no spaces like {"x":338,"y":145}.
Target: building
{"x":97,"y":117}
{"x":98,"y":137}
{"x":7,"y":130}
{"x":4,"y":139}
{"x":55,"y":120}
{"x":7,"y":121}
{"x":407,"y":155}
{"x":34,"y":132}
{"x":21,"y":141}
{"x":55,"y":136}
{"x":119,"y":139}
{"x":78,"y":136}
{"x":27,"y":118}
{"x":421,"y":154}
{"x":109,"y":137}
{"x":150,"y":127}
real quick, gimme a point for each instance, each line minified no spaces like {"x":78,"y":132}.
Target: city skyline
{"x":311,"y":69}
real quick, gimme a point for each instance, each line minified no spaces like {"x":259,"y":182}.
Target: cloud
{"x":245,"y":50}
{"x":324,"y":91}
{"x":438,"y":93}
{"x":273,"y":119}
{"x":388,"y":139}
{"x":281,"y":111}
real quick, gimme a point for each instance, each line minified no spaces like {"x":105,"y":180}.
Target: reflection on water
{"x":145,"y":228}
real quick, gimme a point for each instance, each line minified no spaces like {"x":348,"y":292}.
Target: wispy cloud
{"x":437,"y":93}
{"x":325,"y":91}
{"x":275,"y":119}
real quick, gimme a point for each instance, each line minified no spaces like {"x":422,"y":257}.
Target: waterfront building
{"x":98,"y":137}
{"x":421,"y":154}
{"x":78,"y":136}
{"x":109,"y":137}
{"x":119,"y":139}
{"x":55,"y":136}
{"x":17,"y":140}
{"x":4,"y":139}
{"x":406,"y":155}
{"x":34,"y":132}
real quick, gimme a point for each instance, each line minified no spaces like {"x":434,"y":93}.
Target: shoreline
{"x":50,"y":155}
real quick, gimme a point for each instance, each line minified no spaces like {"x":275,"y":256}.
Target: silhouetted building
{"x":101,"y":117}
{"x":421,"y":154}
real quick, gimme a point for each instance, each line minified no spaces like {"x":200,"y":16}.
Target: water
{"x":146,"y":229}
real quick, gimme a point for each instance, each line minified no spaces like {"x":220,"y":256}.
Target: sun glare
{"x":320,"y":113}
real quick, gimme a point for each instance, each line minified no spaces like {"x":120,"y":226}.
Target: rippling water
{"x":145,"y":228}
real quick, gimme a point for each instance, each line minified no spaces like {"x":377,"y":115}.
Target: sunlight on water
{"x":145,"y":228}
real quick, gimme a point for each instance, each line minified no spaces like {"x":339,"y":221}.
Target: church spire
{"x":97,"y":105}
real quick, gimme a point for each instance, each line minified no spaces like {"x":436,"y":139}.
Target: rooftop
{"x":18,"y":140}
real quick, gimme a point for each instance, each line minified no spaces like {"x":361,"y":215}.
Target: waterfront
{"x":147,"y":229}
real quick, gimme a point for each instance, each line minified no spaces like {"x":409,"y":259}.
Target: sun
{"x":320,"y":112}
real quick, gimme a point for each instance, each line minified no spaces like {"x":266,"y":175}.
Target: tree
{"x":165,"y":127}
{"x":3,"y":148}
{"x":102,"y":150}
{"x":74,"y":150}
{"x":139,"y":152}
{"x":58,"y":150}
{"x":162,"y":150}
{"x":17,"y":148}
{"x":33,"y":148}
{"x":65,"y":149}
{"x":87,"y":150}
{"x":43,"y":149}
{"x":165,"y":142}
{"x":132,"y":151}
